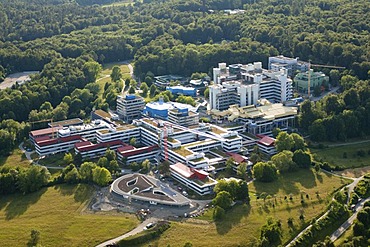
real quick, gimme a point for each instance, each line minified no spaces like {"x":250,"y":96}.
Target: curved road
{"x":348,"y":222}
{"x":136,"y":230}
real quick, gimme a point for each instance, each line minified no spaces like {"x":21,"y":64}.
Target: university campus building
{"x":244,"y":85}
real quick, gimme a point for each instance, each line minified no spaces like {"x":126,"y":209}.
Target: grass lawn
{"x":53,"y":160}
{"x":334,"y":155}
{"x":107,"y":68}
{"x":117,"y":4}
{"x":16,"y":158}
{"x":242,"y":224}
{"x":57,"y":213}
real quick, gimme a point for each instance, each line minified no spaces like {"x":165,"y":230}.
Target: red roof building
{"x":129,"y":154}
{"x":88,"y":149}
{"x":194,"y":179}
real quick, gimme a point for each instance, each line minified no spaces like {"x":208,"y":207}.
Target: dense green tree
{"x":223,"y":200}
{"x":284,"y":141}
{"x":144,"y":87}
{"x":164,"y":167}
{"x":302,"y":158}
{"x":265,"y":171}
{"x":153,"y":90}
{"x":32,"y":179}
{"x":101,"y":176}
{"x":145,"y":166}
{"x":110,"y":154}
{"x":86,"y":171}
{"x":218,"y":213}
{"x":116,"y":74}
{"x":103,"y":162}
{"x":91,"y":71}
{"x":242,"y":169}
{"x":272,"y":232}
{"x":298,"y":142}
{"x":72,"y":176}
{"x":284,"y":161}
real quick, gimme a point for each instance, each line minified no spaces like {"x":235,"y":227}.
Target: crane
{"x":317,"y":65}
{"x":45,"y":120}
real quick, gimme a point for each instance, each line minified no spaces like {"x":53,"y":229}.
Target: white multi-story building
{"x":196,"y":180}
{"x":87,"y":131}
{"x":245,"y":84}
{"x":291,"y":64}
{"x":183,"y":117}
{"x":129,"y":154}
{"x":130,"y":107}
{"x":46,"y":145}
{"x":123,"y":132}
{"x":88,"y":149}
{"x":187,"y":145}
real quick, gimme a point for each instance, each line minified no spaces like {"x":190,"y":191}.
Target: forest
{"x":67,"y":40}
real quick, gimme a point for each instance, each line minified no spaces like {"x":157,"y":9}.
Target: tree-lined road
{"x":348,"y":222}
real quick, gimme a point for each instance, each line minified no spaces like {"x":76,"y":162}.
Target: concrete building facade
{"x":245,"y":84}
{"x":277,"y":63}
{"x":130,"y":107}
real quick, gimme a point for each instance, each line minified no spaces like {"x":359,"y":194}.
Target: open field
{"x":17,"y":158}
{"x":334,"y":155}
{"x":107,"y":70}
{"x":57,"y":213}
{"x":242,"y":224}
{"x":117,"y":4}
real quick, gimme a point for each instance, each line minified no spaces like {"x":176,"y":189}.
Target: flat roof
{"x":268,"y":111}
{"x":102,"y":114}
{"x":89,"y":146}
{"x":67,"y":122}
{"x":46,"y":131}
{"x":47,"y":141}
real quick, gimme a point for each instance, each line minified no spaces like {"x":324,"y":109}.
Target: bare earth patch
{"x":13,"y":78}
{"x":354,"y":173}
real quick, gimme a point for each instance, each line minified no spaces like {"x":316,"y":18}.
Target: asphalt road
{"x":348,"y":222}
{"x":136,"y":230}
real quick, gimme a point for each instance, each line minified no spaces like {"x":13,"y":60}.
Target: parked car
{"x":148,"y":226}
